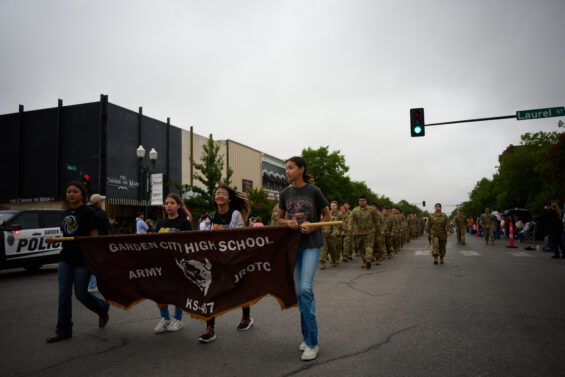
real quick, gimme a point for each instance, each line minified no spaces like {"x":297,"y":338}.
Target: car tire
{"x":33,"y":267}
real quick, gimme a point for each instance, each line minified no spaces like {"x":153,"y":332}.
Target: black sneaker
{"x":245,"y":324}
{"x":208,"y":335}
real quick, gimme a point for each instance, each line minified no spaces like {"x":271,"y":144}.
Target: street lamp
{"x":140,"y":152}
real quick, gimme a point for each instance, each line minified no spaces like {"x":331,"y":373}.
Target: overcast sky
{"x":280,"y":76}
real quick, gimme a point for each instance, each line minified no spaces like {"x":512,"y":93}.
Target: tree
{"x":328,"y":170}
{"x":260,"y":204}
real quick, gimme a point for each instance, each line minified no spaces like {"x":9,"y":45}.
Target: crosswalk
{"x":472,"y":253}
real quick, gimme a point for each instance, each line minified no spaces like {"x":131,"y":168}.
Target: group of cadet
{"x":369,"y":232}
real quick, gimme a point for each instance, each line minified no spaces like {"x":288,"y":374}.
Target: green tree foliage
{"x":260,"y":204}
{"x":210,"y":168}
{"x":328,"y":170}
{"x":528,"y":176}
{"x":209,"y":172}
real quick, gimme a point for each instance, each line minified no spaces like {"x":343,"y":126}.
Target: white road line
{"x":469,"y":253}
{"x":520,"y":254}
{"x":423,"y":252}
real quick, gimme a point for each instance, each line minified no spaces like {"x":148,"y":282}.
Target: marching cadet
{"x":362,"y":223}
{"x":341,"y":237}
{"x":487,"y":221}
{"x":378,"y":246}
{"x":388,"y":232}
{"x":460,"y":221}
{"x":348,"y":235}
{"x":335,"y":233}
{"x":438,"y":229}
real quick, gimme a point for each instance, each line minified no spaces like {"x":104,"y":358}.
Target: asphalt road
{"x":489,"y":311}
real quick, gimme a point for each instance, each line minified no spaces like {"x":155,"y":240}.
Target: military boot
{"x":333,"y":263}
{"x":435,"y":260}
{"x":378,"y":262}
{"x":322,"y":265}
{"x":441,"y":261}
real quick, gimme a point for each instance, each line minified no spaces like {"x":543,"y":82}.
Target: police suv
{"x":22,"y":238}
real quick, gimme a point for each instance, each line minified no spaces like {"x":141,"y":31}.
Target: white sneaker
{"x":93,"y":290}
{"x":302,"y":346}
{"x":310,"y":353}
{"x":161,"y":326}
{"x":174,"y":325}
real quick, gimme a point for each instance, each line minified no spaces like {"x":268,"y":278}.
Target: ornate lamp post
{"x":140,"y":152}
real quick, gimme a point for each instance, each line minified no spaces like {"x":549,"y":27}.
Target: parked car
{"x":22,"y":238}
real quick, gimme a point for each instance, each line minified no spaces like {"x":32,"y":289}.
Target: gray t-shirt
{"x":304,"y":204}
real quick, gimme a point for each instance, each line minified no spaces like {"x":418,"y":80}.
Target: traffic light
{"x":417,"y":124}
{"x":423,"y":203}
{"x":86,"y":179}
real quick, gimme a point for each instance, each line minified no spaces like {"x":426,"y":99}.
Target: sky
{"x":282,"y":76}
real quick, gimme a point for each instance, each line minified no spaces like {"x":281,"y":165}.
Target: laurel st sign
{"x":540,"y":113}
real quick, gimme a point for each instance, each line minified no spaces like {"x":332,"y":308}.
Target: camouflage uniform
{"x":438,"y":228}
{"x":347,"y":238}
{"x":362,"y":222}
{"x":487,"y":221}
{"x":330,"y":234}
{"x":379,"y":247}
{"x":460,"y":222}
{"x":388,"y":236}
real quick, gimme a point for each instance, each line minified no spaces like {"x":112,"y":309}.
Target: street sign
{"x":71,"y":167}
{"x":540,"y":113}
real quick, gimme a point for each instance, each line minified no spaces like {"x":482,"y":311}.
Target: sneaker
{"x":174,"y":325}
{"x":208,"y":336}
{"x":302,"y":346}
{"x":245,"y":324}
{"x":310,"y":353}
{"x":103,"y":320}
{"x":161,"y":326}
{"x":93,"y":290}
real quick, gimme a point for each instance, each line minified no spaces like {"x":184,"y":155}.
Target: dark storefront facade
{"x":46,"y":149}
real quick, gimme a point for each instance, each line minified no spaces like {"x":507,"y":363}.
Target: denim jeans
{"x":164,"y":309}
{"x":92,"y":283}
{"x":304,"y":271}
{"x":80,"y":276}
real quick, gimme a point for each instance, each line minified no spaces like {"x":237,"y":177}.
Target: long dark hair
{"x":239,"y":201}
{"x":182,"y":211}
{"x":81,"y":187}
{"x":301,"y":162}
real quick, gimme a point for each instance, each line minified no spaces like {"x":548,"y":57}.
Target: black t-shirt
{"x":304,"y":204}
{"x":104,"y":225}
{"x":76,"y":222}
{"x":177,"y":224}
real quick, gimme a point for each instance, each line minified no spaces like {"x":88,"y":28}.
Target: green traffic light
{"x":418,"y":129}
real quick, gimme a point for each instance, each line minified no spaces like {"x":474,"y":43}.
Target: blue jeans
{"x":92,"y":282}
{"x":304,"y":271}
{"x":80,"y":275}
{"x":165,"y":312}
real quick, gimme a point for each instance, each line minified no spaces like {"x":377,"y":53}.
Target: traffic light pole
{"x":472,"y":120}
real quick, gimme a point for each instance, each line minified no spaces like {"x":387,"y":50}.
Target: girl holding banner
{"x":232,"y":209}
{"x":78,"y":220}
{"x":175,"y":219}
{"x":305,"y":204}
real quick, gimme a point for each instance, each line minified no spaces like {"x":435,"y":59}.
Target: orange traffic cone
{"x":511,"y":236}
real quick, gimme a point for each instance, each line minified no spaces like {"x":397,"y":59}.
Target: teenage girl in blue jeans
{"x":304,"y":203}
{"x":78,"y":220}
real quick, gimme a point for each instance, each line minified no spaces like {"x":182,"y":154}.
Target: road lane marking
{"x":520,"y":254}
{"x":469,"y":253}
{"x":423,"y":252}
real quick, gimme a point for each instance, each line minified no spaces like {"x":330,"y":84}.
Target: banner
{"x":204,"y":273}
{"x":157,"y":189}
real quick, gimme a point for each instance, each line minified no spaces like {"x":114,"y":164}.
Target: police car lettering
{"x":35,"y":244}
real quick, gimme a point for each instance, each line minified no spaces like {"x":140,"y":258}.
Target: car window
{"x":5,"y":216}
{"x":51,"y":220}
{"x":28,"y":220}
